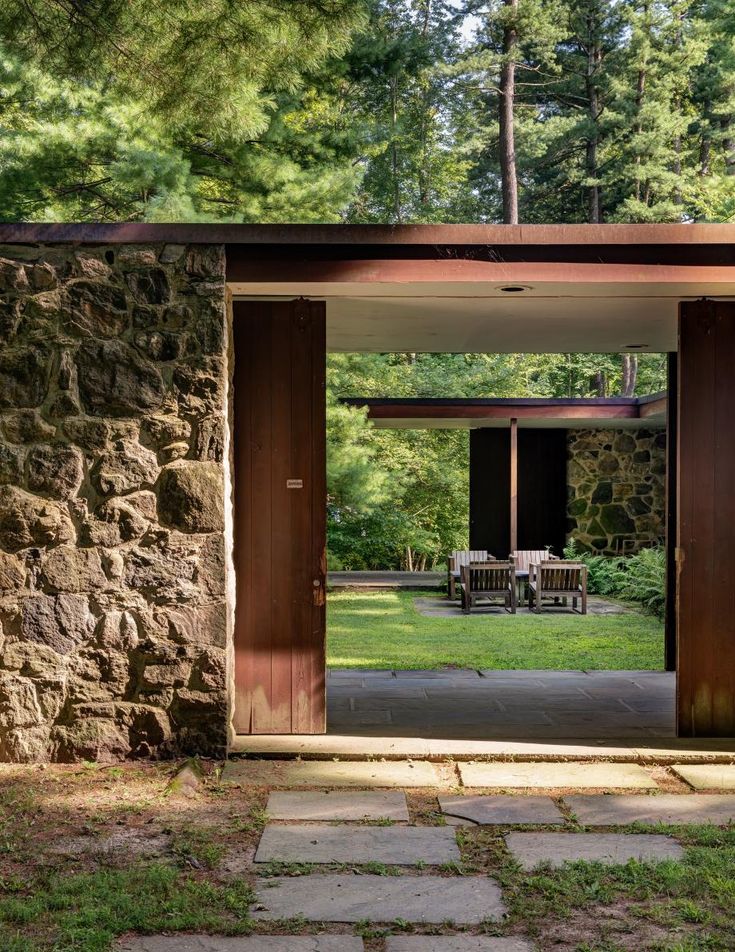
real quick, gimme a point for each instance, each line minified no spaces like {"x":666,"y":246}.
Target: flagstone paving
{"x":254,"y":943}
{"x":319,"y":773}
{"x":318,"y":843}
{"x":707,"y":776}
{"x":502,"y":809}
{"x":620,"y":809}
{"x":455,"y":943}
{"x":533,"y":849}
{"x":331,"y":805}
{"x":327,"y":897}
{"x":580,"y":776}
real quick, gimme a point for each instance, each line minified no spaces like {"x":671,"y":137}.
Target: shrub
{"x":643,"y":579}
{"x":637,"y":578}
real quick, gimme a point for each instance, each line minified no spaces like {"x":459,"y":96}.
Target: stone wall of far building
{"x":113,"y":623}
{"x":617,"y":488}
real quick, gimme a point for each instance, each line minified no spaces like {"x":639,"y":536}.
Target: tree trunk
{"x":394,"y":153}
{"x":630,"y":374}
{"x":594,"y":62}
{"x":506,"y":102}
{"x":599,"y":383}
{"x":640,"y":92}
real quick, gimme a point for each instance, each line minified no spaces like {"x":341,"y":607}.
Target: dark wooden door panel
{"x":542,"y":489}
{"x":706,"y":520}
{"x":280,"y":502}
{"x":490,"y":490}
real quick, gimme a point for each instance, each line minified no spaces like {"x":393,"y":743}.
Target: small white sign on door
{"x":294,"y":484}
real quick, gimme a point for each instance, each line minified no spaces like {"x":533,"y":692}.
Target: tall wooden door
{"x":706,"y":520}
{"x":280,"y":517}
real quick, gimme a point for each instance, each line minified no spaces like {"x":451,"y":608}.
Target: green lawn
{"x":384,"y":630}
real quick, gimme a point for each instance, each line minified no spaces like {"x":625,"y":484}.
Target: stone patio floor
{"x":464,"y":704}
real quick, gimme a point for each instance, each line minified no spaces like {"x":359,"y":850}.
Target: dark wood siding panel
{"x":279,"y":531}
{"x":542,"y":489}
{"x":706,"y":520}
{"x":490,"y":491}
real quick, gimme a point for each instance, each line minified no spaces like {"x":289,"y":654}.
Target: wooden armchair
{"x":456,"y":560}
{"x":557,"y":579}
{"x":489,"y":580}
{"x":523,"y":559}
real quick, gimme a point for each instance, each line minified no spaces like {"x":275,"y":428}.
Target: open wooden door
{"x":280,"y":517}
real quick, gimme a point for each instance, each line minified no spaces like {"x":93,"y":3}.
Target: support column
{"x":671,"y":498}
{"x":706,"y":520}
{"x":513,"y":484}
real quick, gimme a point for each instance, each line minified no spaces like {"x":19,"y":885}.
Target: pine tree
{"x":648,"y":178}
{"x":401,"y":93}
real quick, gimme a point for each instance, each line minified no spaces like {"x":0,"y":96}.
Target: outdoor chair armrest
{"x":450,"y":564}
{"x":532,"y":570}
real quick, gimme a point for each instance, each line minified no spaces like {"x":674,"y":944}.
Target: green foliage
{"x":636,"y":578}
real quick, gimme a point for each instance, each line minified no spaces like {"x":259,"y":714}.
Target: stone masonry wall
{"x":617,"y":489}
{"x":112,"y":502}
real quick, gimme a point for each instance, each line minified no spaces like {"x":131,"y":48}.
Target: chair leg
{"x":451,"y":588}
{"x":513,"y":600}
{"x":584,"y":603}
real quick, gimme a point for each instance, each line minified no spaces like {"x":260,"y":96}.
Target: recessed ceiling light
{"x":636,"y":346}
{"x":513,"y":288}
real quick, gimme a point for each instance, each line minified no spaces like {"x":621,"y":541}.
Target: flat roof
{"x":536,"y":412}
{"x":341,"y":234}
{"x":443,"y":288}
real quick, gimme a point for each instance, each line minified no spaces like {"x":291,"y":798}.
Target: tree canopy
{"x":390,"y":111}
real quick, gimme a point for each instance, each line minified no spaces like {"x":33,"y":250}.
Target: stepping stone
{"x":502,"y":809}
{"x":455,"y":943}
{"x":616,"y":810}
{"x":532,"y":849}
{"x":330,"y":773}
{"x":707,"y":776}
{"x":253,"y":943}
{"x":326,"y":897}
{"x":319,"y":843}
{"x":576,"y":775}
{"x":324,"y":805}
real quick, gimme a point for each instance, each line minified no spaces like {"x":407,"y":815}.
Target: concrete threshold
{"x":667,"y":750}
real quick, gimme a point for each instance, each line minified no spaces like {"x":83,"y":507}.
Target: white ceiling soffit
{"x":443,"y":317}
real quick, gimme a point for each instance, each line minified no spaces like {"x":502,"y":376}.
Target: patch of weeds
{"x":89,"y":910}
{"x":378,"y":821}
{"x":402,"y":925}
{"x":376,"y":869}
{"x":254,"y":822}
{"x":198,"y":847}
{"x":276,"y":868}
{"x":366,"y":930}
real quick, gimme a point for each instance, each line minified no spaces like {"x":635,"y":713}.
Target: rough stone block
{"x":466,"y":900}
{"x":318,"y":843}
{"x":534,"y":849}
{"x":191,"y":497}
{"x":326,"y":805}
